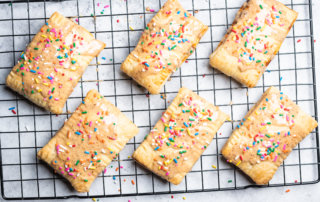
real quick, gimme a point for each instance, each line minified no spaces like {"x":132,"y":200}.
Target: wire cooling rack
{"x":120,"y":23}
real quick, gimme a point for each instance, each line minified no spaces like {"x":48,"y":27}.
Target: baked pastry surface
{"x":54,"y":61}
{"x":253,"y":40}
{"x":180,"y":137}
{"x":94,"y":135}
{"x":168,"y":40}
{"x":267,"y":135}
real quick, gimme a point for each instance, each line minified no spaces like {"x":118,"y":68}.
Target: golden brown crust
{"x":169,"y":39}
{"x":171,"y":149}
{"x":267,"y":135}
{"x":252,"y":41}
{"x":89,"y":140}
{"x":53,"y":63}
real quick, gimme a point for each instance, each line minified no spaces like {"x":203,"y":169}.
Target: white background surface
{"x":297,"y":193}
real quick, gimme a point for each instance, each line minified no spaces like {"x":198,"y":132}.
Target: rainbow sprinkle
{"x":268,"y":145}
{"x":86,"y":132}
{"x":33,"y":63}
{"x":185,"y":122}
{"x":164,"y":40}
{"x":251,"y":37}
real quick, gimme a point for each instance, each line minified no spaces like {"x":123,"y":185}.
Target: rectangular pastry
{"x":168,"y":40}
{"x":179,"y":138}
{"x":253,"y":40}
{"x":267,"y":135}
{"x":89,"y":140}
{"x":53,"y":63}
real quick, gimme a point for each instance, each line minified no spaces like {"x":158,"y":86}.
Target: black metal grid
{"x":179,"y":76}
